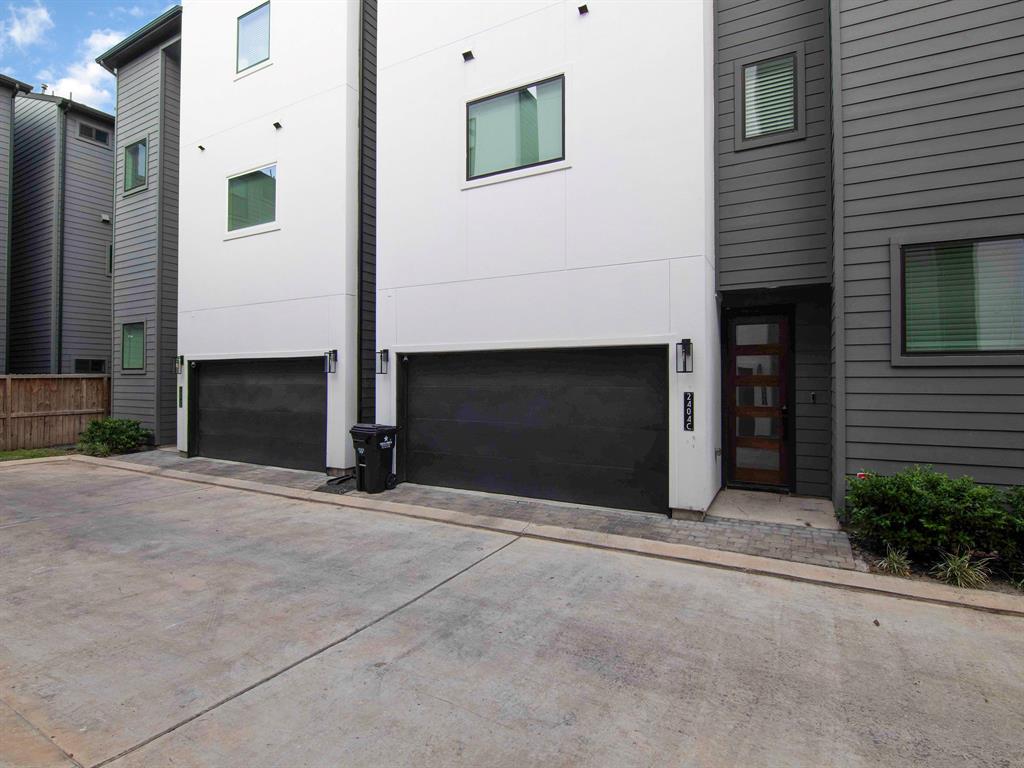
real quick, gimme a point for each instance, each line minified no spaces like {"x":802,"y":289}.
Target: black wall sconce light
{"x":201,"y":147}
{"x":331,"y":361}
{"x":583,"y":10}
{"x":684,"y":356}
{"x":179,"y":364}
{"x":467,"y":55}
{"x":277,"y":126}
{"x":383,"y":360}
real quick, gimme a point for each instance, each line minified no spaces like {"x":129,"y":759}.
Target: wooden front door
{"x":757,"y":400}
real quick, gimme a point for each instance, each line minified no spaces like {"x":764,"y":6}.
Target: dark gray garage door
{"x":582,"y":425}
{"x":269,"y":411}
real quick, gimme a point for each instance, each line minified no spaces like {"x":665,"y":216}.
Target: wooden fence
{"x":45,"y":411}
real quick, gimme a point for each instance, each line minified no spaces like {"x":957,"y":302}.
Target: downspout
{"x":58,"y":267}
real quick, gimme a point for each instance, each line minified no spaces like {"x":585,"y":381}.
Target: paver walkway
{"x":795,"y":543}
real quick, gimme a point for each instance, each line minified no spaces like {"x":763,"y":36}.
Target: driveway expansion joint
{"x":312,"y":655}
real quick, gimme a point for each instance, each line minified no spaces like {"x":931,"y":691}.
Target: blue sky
{"x":56,"y":43}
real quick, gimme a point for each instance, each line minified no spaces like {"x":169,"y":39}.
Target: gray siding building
{"x":59,"y":311}
{"x":8,"y":90}
{"x":870,"y":230}
{"x":145,"y":264}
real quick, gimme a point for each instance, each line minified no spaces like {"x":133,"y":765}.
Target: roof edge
{"x":163,"y":26}
{"x":15,"y":85}
{"x":96,"y":114}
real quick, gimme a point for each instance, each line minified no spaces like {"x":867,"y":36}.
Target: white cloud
{"x":85,"y":80}
{"x":136,"y":12}
{"x":28,"y":24}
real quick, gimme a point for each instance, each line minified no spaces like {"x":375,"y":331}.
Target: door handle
{"x":785,"y":422}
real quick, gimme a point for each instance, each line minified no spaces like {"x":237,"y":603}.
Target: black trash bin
{"x":375,"y":445}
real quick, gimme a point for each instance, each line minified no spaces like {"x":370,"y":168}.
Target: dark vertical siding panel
{"x":88,"y":196}
{"x":932,"y":121}
{"x":6,"y":145}
{"x":169,"y":134}
{"x":367,"y":293}
{"x":773,"y":207}
{"x":33,"y":234}
{"x":136,"y":237}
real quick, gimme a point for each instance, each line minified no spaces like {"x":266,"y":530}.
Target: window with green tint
{"x":252,"y":198}
{"x":135,"y":165}
{"x":253,"y":37}
{"x":516,"y":129}
{"x":769,"y":96}
{"x":133,"y":346}
{"x":965,"y":296}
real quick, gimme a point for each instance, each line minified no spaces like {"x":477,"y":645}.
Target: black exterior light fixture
{"x":277,"y":125}
{"x":201,"y":148}
{"x":331,"y":361}
{"x":467,"y":55}
{"x":684,"y":356}
{"x":383,"y":360}
{"x":583,"y":10}
{"x":179,"y":364}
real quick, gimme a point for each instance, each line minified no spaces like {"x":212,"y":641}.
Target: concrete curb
{"x":992,"y":602}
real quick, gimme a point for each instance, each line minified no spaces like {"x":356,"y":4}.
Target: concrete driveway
{"x":146,"y":621}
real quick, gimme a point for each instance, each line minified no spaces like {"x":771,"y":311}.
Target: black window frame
{"x":960,"y":232}
{"x":90,"y":363}
{"x":742,"y":142}
{"x":238,"y":37}
{"x":517,"y":89}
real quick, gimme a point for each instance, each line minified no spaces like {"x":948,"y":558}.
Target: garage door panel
{"x":624,"y":448}
{"x":582,"y":425}
{"x":617,"y":488}
{"x":266,"y":411}
{"x":496,"y":404}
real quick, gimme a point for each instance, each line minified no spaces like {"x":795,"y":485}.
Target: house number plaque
{"x":688,"y":411}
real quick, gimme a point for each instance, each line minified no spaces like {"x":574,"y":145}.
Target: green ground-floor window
{"x":133,"y":346}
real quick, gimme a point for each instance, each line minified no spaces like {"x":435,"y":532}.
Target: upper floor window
{"x":252,"y":198}
{"x":253,"y":37}
{"x":769,"y":92}
{"x":90,"y":366}
{"x":516,"y":129}
{"x":135,"y":165}
{"x":92,"y":133}
{"x":963,"y":297}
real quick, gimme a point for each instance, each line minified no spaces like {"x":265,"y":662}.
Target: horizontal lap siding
{"x":33,"y":235}
{"x":368,"y":214}
{"x":135,"y":237}
{"x":169,"y":131}
{"x":933,"y":123}
{"x":88,"y":196}
{"x":774,"y":202}
{"x":5,"y":213}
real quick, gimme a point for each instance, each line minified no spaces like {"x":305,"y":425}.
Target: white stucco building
{"x":565,"y":269}
{"x":268,"y":230}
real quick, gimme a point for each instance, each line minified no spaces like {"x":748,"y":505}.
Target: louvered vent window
{"x":770,"y":97}
{"x":965,"y":296}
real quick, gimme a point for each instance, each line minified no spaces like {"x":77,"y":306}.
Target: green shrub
{"x":962,"y":569}
{"x":106,"y":436}
{"x":925,"y":512}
